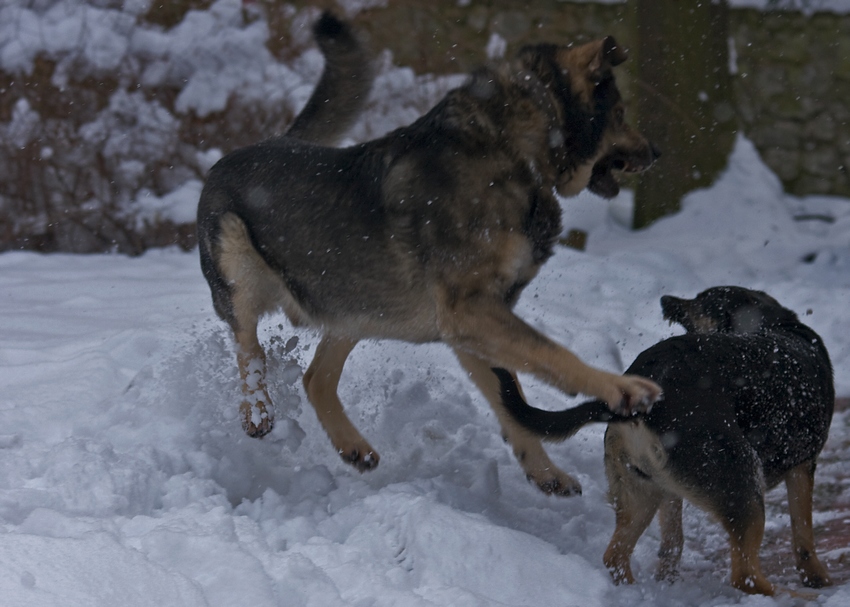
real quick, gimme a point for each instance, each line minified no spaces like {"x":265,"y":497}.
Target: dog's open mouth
{"x":602,"y":181}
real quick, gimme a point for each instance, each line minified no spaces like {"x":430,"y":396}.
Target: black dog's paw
{"x":815,"y":579}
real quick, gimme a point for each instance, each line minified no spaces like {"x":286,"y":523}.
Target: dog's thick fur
{"x":748,"y":399}
{"x":427,"y":234}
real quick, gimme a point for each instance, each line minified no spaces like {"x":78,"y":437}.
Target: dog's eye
{"x":619,"y":114}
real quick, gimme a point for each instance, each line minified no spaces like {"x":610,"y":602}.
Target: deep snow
{"x":125,"y":478}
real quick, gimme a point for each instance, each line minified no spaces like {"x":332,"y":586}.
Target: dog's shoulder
{"x":801,"y":352}
{"x":799,"y":337}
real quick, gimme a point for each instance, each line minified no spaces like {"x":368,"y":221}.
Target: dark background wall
{"x":698,"y":74}
{"x":790,"y":86}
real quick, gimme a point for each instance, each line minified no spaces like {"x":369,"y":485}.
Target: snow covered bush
{"x":111,"y":112}
{"x":109,"y":107}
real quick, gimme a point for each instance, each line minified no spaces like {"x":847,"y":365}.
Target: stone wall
{"x":791,"y":80}
{"x":61,"y":190}
{"x":792,"y":92}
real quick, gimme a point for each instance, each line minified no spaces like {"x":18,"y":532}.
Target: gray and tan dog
{"x":427,"y":234}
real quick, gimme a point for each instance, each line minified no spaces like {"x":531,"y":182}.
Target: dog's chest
{"x":543,"y":225}
{"x":474,"y":222}
{"x":502,"y":249}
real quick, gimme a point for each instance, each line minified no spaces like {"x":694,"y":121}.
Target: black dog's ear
{"x":609,"y":54}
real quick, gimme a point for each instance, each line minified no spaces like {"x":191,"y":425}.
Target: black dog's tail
{"x":550,"y":425}
{"x":342,"y":90}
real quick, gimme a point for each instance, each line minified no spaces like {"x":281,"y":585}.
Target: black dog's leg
{"x":800,"y":482}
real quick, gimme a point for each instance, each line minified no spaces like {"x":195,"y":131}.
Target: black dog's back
{"x":777,"y":387}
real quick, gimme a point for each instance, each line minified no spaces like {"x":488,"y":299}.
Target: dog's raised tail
{"x":550,"y":425}
{"x":343,"y":88}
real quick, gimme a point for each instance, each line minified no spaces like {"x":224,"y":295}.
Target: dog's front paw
{"x":616,"y":561}
{"x":362,"y":457}
{"x":637,"y":395}
{"x":257,"y":420}
{"x":667,"y":571}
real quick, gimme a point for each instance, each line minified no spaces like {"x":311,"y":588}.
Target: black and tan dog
{"x":427,"y":234}
{"x":748,"y":399}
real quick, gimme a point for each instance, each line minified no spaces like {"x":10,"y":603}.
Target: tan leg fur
{"x":746,"y":565}
{"x":672,"y":538}
{"x":321,"y":382}
{"x":526,"y":447}
{"x":635,"y":503}
{"x":489,"y":330}
{"x":257,"y":418}
{"x":800,"y":483}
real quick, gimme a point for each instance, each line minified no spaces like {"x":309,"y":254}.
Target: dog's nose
{"x":656,"y":153}
{"x":671,"y":306}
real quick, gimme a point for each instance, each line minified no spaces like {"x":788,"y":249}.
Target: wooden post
{"x":684,"y":99}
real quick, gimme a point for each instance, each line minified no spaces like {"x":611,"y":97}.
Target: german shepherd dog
{"x":748,"y":400}
{"x":427,"y":234}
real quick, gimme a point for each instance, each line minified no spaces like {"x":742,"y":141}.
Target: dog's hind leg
{"x":257,"y":419}
{"x":526,"y":447}
{"x":632,"y":519}
{"x":746,"y":566}
{"x":635,"y":499}
{"x":672,"y":538}
{"x":242,"y":294}
{"x":722,"y":473}
{"x":800,"y":483}
{"x":321,"y":381}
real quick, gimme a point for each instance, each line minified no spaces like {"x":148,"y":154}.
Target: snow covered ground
{"x":125,"y":478}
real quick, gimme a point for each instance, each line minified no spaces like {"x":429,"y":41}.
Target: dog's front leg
{"x":527,"y":448}
{"x":321,"y":381}
{"x":485,"y":327}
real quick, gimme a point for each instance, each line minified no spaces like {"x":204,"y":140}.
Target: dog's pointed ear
{"x":539,"y":59}
{"x":608,"y":54}
{"x":614,"y":53}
